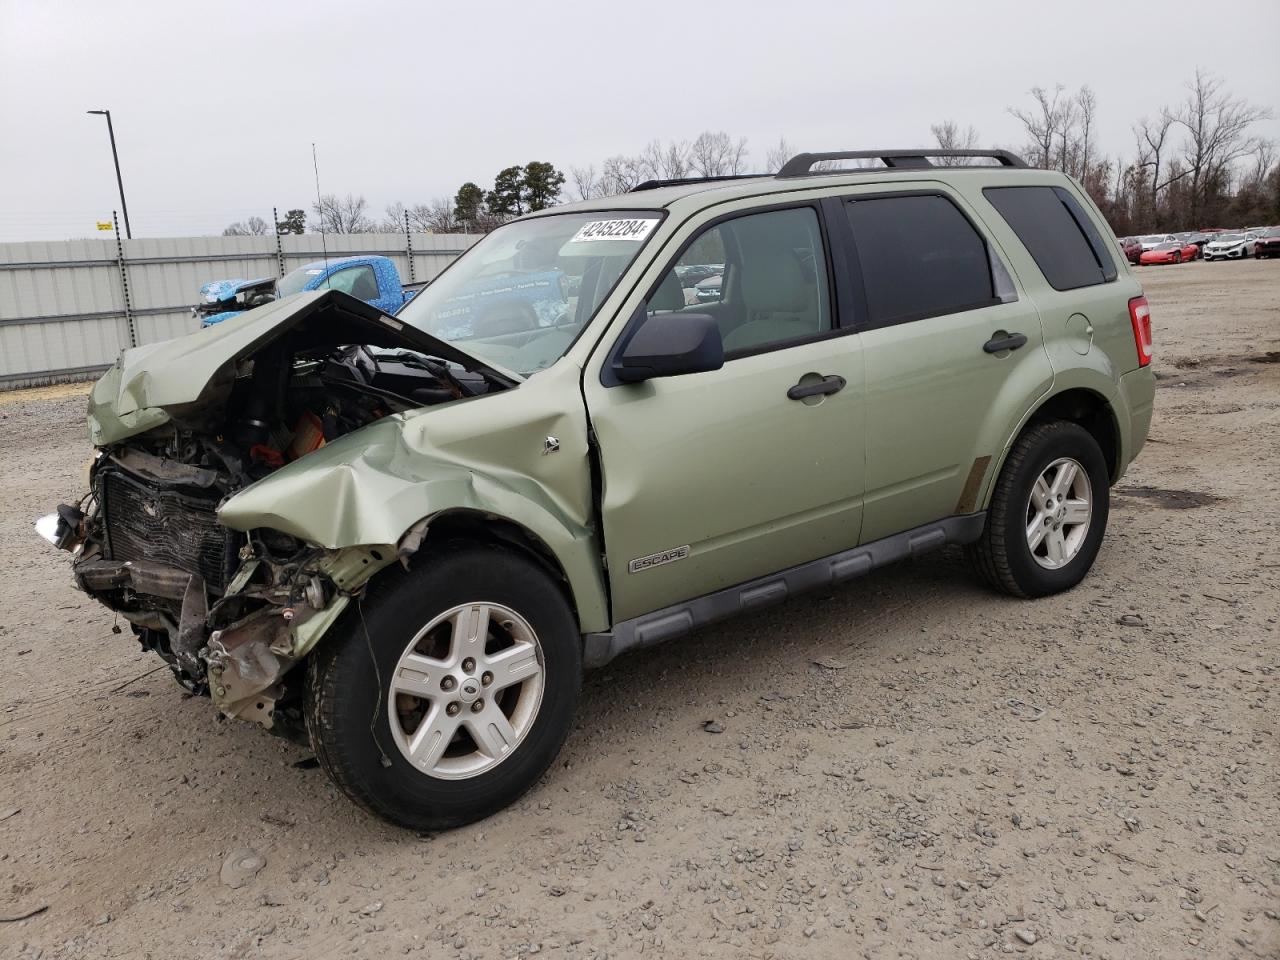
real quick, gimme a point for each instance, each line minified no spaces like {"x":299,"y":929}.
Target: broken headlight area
{"x":232,"y":612}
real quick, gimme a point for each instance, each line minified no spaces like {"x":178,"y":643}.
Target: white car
{"x":1153,"y":241}
{"x":1231,"y":246}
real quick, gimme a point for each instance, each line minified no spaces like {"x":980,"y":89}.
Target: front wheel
{"x":1048,"y":512}
{"x":450,"y":691}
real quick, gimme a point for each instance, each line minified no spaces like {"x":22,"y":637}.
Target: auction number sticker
{"x":636,"y":229}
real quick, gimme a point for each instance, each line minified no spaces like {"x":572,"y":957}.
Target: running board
{"x":661,"y":625}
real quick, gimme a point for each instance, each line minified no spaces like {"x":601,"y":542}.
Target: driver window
{"x":763,"y":277}
{"x":697,"y":277}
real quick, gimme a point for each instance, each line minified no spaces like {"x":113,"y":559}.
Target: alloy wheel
{"x":466,"y":690}
{"x":1058,"y":513}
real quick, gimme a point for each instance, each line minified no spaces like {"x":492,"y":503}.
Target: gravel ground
{"x":909,"y":767}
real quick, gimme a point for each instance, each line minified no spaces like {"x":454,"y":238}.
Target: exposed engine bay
{"x":232,"y":611}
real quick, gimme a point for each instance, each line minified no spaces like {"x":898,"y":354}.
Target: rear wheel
{"x":450,"y":691}
{"x":1048,"y":512}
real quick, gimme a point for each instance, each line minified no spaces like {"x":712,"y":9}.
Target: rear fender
{"x":1081,"y":378}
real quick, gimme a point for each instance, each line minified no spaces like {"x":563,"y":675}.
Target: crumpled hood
{"x":161,"y":381}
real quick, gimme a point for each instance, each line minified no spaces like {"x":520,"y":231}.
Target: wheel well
{"x":485,"y":528}
{"x":1091,"y":411}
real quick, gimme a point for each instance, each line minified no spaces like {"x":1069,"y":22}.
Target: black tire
{"x":1002,"y":555}
{"x":349,"y":680}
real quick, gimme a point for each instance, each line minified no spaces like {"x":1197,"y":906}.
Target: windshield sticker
{"x":615,"y":230}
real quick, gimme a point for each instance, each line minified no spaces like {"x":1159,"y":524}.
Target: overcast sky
{"x":216,"y":105}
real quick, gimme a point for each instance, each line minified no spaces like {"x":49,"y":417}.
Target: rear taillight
{"x":1140,"y":317}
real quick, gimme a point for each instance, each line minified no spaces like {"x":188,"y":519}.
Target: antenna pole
{"x":324,"y":247}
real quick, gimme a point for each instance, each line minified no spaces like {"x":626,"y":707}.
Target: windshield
{"x":293,"y":281}
{"x":520,"y":296}
{"x":1169,"y":246}
{"x":1230,"y":238}
{"x":1154,"y":239}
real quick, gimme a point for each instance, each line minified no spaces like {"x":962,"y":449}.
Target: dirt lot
{"x":910,"y":767}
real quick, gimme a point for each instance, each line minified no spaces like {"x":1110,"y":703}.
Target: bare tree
{"x":1153,"y":148}
{"x":716,"y":154}
{"x":253,"y":227}
{"x":1086,"y":103}
{"x":1217,"y":126}
{"x":777,"y":155}
{"x":1264,"y":158}
{"x":621,"y":173}
{"x":950,"y":137}
{"x":334,"y":214}
{"x":393,"y":220}
{"x":438,"y":216}
{"x":666,"y":161}
{"x":1042,"y":124}
{"x":585,"y":182}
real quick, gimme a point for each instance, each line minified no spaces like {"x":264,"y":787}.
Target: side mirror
{"x":671,"y":344}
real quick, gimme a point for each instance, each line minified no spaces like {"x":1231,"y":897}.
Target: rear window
{"x":1057,"y":233}
{"x":920,"y":258}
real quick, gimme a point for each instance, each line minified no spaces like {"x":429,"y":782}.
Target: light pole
{"x":119,"y":182}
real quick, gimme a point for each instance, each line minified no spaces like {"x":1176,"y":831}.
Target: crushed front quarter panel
{"x":487,"y":455}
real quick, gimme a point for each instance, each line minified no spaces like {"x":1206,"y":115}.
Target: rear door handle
{"x":832,"y":383}
{"x":1004,"y":341}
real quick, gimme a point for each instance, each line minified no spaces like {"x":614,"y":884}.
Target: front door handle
{"x":1004,"y":341}
{"x":832,"y":383}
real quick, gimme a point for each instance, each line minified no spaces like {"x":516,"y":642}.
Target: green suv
{"x":403,"y":545}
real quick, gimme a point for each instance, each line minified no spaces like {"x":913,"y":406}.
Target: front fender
{"x":371,"y":486}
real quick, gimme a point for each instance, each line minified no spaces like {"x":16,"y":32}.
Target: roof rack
{"x":686,"y":181}
{"x":800,"y":165}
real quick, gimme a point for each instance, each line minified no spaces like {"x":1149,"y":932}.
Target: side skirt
{"x":653,"y":628}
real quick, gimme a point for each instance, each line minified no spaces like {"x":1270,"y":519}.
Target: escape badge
{"x":658,"y":559}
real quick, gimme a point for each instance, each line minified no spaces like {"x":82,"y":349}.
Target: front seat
{"x":780,"y":302}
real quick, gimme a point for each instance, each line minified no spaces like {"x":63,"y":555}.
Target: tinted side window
{"x":1057,"y":233}
{"x":764,"y":280}
{"x":920,"y":258}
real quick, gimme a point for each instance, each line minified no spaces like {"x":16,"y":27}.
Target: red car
{"x":1268,"y":244}
{"x":1174,"y":252}
{"x":1131,"y":247}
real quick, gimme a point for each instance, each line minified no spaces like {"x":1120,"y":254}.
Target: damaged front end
{"x":184,"y":427}
{"x":230,"y":612}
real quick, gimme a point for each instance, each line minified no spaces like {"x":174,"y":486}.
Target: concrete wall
{"x":63,"y":312}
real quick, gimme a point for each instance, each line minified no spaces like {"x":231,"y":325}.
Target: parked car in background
{"x":708,"y":290}
{"x":695,"y":273}
{"x":1268,"y":243}
{"x":1230,"y":246}
{"x":1176,"y":251}
{"x":220,"y":299}
{"x":1132,"y":248}
{"x":373,"y":279}
{"x":1153,"y":240}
